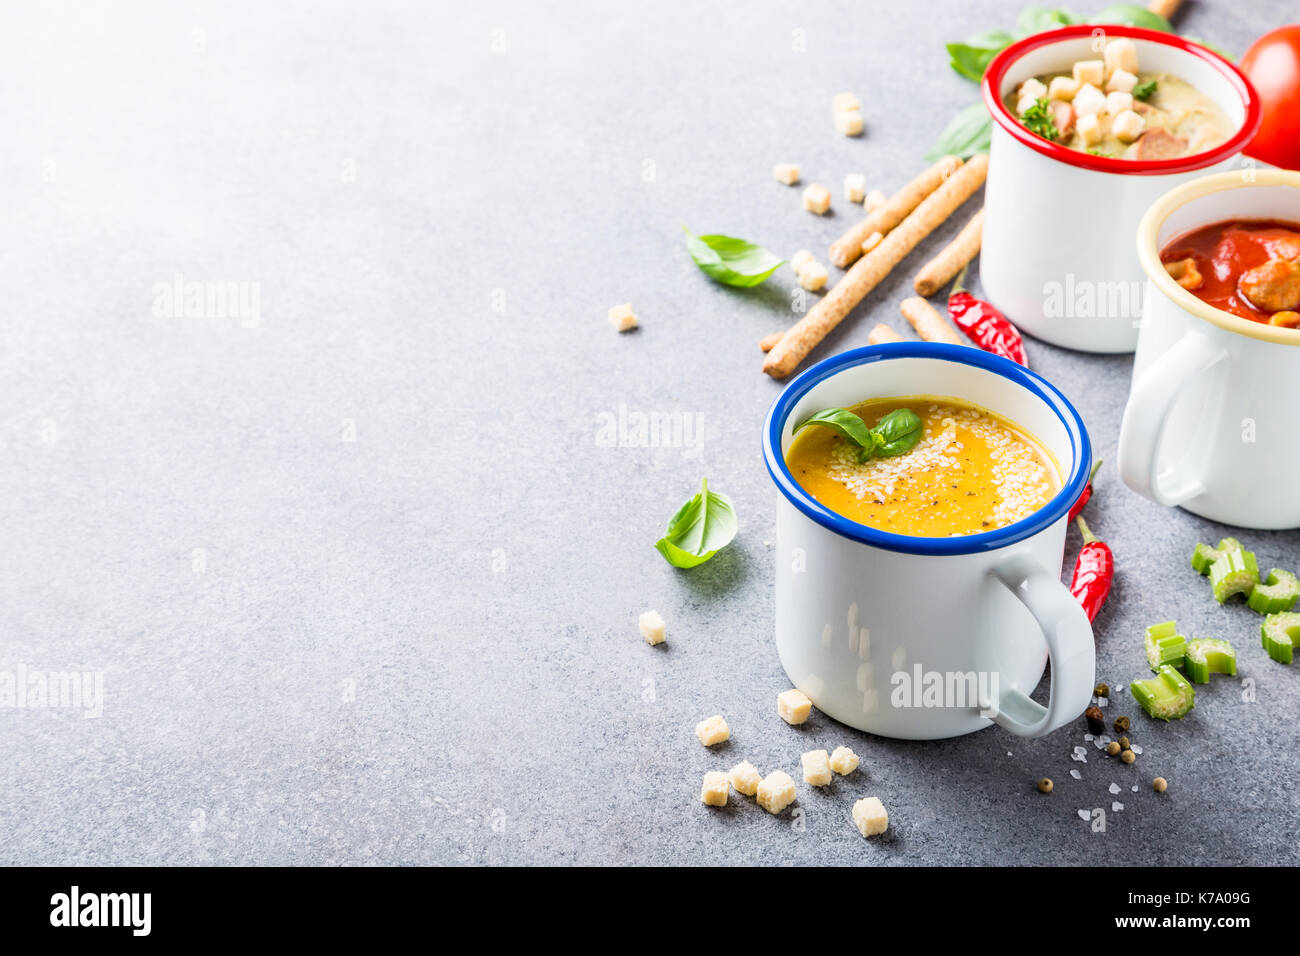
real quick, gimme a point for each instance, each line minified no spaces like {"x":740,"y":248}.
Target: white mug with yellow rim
{"x":1213,"y":416}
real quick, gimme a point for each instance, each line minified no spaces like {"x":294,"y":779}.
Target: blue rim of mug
{"x":1045,"y":391}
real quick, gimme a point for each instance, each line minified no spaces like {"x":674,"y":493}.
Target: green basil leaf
{"x":701,"y":528}
{"x":972,"y":57}
{"x":731,"y":261}
{"x":1040,"y":19}
{"x":1132,"y":15}
{"x":899,"y":431}
{"x":844,"y":422}
{"x":967,"y":133}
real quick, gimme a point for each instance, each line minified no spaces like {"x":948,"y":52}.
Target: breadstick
{"x":882,"y":333}
{"x":1164,"y":8}
{"x":871,"y":269}
{"x":929,"y":324}
{"x":848,"y":247}
{"x":936,"y":273}
{"x":768,"y":342}
{"x":871,"y":242}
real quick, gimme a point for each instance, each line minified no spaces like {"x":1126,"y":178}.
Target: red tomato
{"x":1273,"y":65}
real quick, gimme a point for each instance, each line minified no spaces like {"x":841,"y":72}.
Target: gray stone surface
{"x":360,"y":576}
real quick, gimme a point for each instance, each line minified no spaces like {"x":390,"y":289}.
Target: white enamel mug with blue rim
{"x":865,"y":617}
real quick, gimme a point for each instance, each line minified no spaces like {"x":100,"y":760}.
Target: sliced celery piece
{"x":1167,"y":696}
{"x":1164,"y":645}
{"x":1280,"y":634}
{"x":1279,"y":592}
{"x":1203,"y":556}
{"x":1209,"y":655}
{"x":1235,"y":572}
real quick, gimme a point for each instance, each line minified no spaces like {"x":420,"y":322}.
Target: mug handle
{"x":1147,"y":411}
{"x":1070,"y":649}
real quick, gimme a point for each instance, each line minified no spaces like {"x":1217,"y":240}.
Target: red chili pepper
{"x":1093,"y":572}
{"x":984,"y":325}
{"x":1086,"y":495}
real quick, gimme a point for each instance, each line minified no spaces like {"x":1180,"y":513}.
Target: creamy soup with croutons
{"x":1110,"y":107}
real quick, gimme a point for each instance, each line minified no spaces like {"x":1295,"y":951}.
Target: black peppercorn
{"x":1096,"y":721}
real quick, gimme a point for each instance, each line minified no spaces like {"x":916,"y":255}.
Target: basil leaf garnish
{"x":731,"y":261}
{"x":844,"y":422}
{"x":701,"y":528}
{"x":899,"y":431}
{"x":967,"y":133}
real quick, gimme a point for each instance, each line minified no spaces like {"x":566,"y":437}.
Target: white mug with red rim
{"x":1057,"y":256}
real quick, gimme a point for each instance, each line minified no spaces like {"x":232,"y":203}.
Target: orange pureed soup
{"x":972,"y":471}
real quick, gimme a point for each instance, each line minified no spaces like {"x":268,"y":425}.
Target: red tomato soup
{"x":1249,"y":267}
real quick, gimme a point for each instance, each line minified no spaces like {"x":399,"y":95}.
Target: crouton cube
{"x":1089,"y":100}
{"x":845,"y":101}
{"x":817,"y":198}
{"x":816,"y":768}
{"x":870,"y":817}
{"x":1127,"y":126}
{"x":776,"y":791}
{"x":1062,"y":88}
{"x":813,"y":276}
{"x":1121,"y":81}
{"x":848,"y":122}
{"x":794,"y":706}
{"x":1033,"y":88}
{"x":875,"y":199}
{"x":622,"y":317}
{"x":800,"y":259}
{"x":1025,"y":104}
{"x":745,"y":778}
{"x":715,"y":789}
{"x":787,"y":173}
{"x":1121,"y":54}
{"x":1117,"y":102}
{"x":844,"y":761}
{"x":652,"y":627}
{"x":712,"y":730}
{"x":855,"y":187}
{"x":1089,"y":71}
{"x":1089,"y":129}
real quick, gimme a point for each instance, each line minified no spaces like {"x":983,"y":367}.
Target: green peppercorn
{"x":1128,"y":756}
{"x":1113,"y":748}
{"x":1121,"y":725}
{"x":1045,"y":785}
{"x":1159,"y":785}
{"x":1101,"y":690}
{"x":1124,"y":744}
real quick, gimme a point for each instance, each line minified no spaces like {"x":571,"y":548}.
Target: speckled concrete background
{"x":359,"y":573}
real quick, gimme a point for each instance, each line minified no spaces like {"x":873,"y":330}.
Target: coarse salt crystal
{"x":1116,"y":807}
{"x":1135,"y":748}
{"x":1087,"y":737}
{"x":1114,"y":788}
{"x":1076,"y":775}
{"x":1085,"y":815}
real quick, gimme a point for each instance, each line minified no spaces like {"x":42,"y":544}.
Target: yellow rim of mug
{"x":1149,"y":251}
